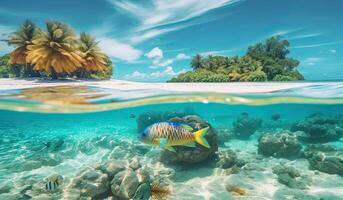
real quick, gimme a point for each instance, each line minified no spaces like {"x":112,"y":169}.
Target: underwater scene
{"x":78,"y":142}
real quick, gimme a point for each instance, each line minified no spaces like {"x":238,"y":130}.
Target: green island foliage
{"x":56,"y":52}
{"x":265,"y":61}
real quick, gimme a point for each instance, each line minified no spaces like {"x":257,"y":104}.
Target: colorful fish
{"x":169,"y":134}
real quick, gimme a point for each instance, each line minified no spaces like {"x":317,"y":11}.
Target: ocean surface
{"x":285,"y":144}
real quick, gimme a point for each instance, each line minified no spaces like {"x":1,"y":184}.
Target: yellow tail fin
{"x":200,"y":139}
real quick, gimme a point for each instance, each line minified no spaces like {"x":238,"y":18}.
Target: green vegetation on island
{"x":55,"y":53}
{"x":266,"y":61}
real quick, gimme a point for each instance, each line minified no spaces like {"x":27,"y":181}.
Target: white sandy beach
{"x":229,"y":88}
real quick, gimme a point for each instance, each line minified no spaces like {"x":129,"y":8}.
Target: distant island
{"x":56,"y":52}
{"x":265,"y":61}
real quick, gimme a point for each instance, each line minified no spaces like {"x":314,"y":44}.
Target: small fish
{"x":276,"y":117}
{"x":132,"y":116}
{"x":169,"y":134}
{"x":53,"y":183}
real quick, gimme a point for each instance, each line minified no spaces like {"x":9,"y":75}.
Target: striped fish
{"x":53,"y":183}
{"x":169,"y":134}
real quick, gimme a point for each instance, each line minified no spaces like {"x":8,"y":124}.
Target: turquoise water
{"x":49,"y":131}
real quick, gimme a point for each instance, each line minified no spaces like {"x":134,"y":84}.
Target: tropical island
{"x":266,"y":61}
{"x":56,"y":52}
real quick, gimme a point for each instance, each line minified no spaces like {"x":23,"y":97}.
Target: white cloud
{"x":4,"y":32}
{"x":181,"y":56}
{"x":286,"y":32}
{"x":312,"y":61}
{"x":152,"y":16}
{"x":216,"y":53}
{"x":148,"y":35}
{"x":167,"y":73}
{"x":4,"y":48}
{"x":159,"y":63}
{"x":136,"y":75}
{"x":333,"y":51}
{"x":116,"y":49}
{"x":314,"y":45}
{"x":305,"y":36}
{"x":155,"y":53}
{"x":168,"y":11}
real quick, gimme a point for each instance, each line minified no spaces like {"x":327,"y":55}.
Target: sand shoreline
{"x":231,"y":88}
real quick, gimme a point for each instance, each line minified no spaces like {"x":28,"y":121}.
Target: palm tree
{"x":94,"y":59}
{"x":56,"y":50}
{"x":197,"y":62}
{"x":256,"y":75}
{"x":235,"y":75}
{"x":21,"y":39}
{"x":247,"y":69}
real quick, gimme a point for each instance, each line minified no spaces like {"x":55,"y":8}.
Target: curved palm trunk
{"x":53,"y":73}
{"x":26,"y":71}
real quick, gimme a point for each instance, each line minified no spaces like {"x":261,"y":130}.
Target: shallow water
{"x":72,"y":131}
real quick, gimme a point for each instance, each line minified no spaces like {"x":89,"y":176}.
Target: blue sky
{"x":154,"y":40}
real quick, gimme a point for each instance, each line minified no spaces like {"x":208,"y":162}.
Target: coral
{"x":325,"y":158}
{"x":91,"y":183}
{"x":290,"y":177}
{"x":132,"y":182}
{"x":282,"y":169}
{"x":319,"y":129}
{"x":116,"y":178}
{"x":279,"y":145}
{"x":195,"y":154}
{"x":245,"y":126}
{"x":226,"y":159}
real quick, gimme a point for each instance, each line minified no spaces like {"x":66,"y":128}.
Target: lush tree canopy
{"x":56,"y":52}
{"x":265,"y":61}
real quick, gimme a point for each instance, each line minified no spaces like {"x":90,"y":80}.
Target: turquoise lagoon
{"x":77,"y":132}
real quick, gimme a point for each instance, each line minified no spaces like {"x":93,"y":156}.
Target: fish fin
{"x":191,"y":144}
{"x":163,"y":142}
{"x":187,"y":127}
{"x":170,"y":148}
{"x":199,"y":137}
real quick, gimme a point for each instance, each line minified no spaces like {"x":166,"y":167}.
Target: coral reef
{"x":195,"y":154}
{"x":119,"y":167}
{"x":114,"y":178}
{"x":325,"y":158}
{"x":226,"y":159}
{"x":319,"y":129}
{"x":291,"y":177}
{"x":279,"y":145}
{"x":245,"y":126}
{"x":90,"y":183}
